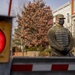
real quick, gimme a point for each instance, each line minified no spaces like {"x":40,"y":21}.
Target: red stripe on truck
{"x":59,"y":67}
{"x":24,"y":67}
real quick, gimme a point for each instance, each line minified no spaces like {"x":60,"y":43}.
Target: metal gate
{"x":43,"y":66}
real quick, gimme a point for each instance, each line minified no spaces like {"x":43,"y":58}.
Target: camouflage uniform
{"x":59,"y":38}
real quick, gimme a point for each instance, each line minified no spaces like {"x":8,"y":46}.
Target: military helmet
{"x":60,"y":16}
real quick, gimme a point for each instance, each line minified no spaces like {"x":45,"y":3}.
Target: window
{"x":68,"y":20}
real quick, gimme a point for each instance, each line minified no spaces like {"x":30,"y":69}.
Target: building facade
{"x":73,"y":18}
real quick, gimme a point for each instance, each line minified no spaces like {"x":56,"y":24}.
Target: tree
{"x":33,"y":24}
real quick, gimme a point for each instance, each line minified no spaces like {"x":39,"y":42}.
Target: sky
{"x":54,"y":4}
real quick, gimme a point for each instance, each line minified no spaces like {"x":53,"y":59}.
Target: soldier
{"x":60,"y":38}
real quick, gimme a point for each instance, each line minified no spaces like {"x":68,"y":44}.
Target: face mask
{"x":61,"y":21}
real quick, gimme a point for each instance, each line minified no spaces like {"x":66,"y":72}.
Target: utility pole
{"x":9,"y":9}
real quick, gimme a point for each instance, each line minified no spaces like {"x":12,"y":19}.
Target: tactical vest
{"x":62,"y":36}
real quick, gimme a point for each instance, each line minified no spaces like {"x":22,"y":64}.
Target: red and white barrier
{"x":42,"y":67}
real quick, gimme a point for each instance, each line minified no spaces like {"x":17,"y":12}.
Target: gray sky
{"x":56,"y":3}
{"x":52,"y":3}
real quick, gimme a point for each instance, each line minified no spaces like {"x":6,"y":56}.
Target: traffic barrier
{"x":38,"y":66}
{"x":42,"y":67}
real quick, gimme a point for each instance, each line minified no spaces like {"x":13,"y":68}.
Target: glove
{"x":65,"y":51}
